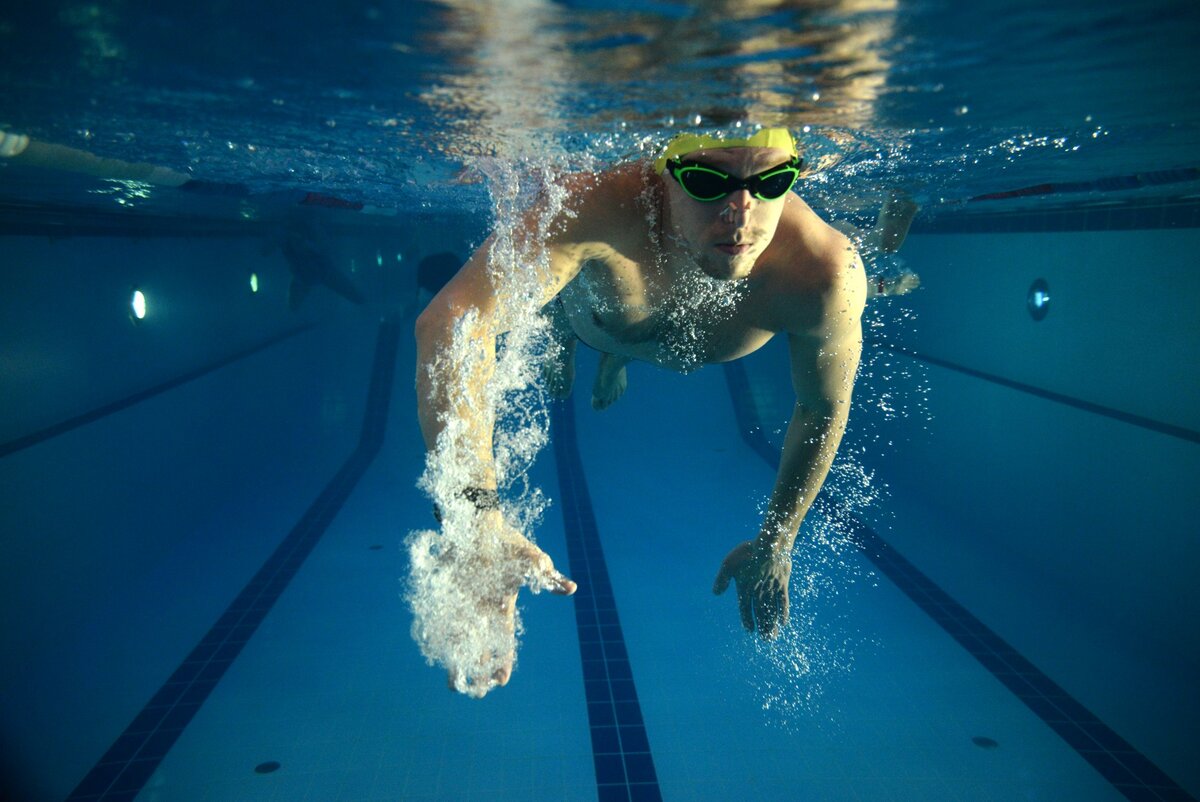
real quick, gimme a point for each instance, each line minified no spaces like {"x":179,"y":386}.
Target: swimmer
{"x":698,"y":258}
{"x":21,"y":149}
{"x":885,"y":238}
{"x":306,"y":250}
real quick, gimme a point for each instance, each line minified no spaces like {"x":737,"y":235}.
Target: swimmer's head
{"x":725,"y":196}
{"x":685,"y":144}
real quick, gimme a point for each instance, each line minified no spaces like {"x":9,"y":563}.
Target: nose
{"x":737,"y":207}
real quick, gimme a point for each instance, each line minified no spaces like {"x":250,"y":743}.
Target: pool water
{"x":204,"y":509}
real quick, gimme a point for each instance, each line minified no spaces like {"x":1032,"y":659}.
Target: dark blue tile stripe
{"x":1130,"y":216}
{"x":1115,"y":758}
{"x":1129,"y":771}
{"x":116,"y":406}
{"x":127,"y":765}
{"x":620,"y":746}
{"x":1191,"y":435}
{"x":1112,"y":183}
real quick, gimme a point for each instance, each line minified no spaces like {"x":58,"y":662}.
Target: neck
{"x":671,"y":254}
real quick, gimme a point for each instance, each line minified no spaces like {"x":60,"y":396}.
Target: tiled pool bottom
{"x":331,"y":687}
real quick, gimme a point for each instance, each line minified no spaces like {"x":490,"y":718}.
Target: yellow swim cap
{"x":686,"y":143}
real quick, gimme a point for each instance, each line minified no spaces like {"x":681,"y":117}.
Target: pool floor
{"x":332,"y":689}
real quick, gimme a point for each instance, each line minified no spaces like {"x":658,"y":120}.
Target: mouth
{"x":733,"y":249}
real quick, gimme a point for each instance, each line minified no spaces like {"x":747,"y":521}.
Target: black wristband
{"x":483,"y":498}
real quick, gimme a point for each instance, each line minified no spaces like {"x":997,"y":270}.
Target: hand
{"x":517,"y":562}
{"x":903,"y":284}
{"x":761,"y":574}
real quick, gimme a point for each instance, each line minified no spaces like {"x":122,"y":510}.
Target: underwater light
{"x":137,"y":303}
{"x":1039,"y":299}
{"x":254,"y":282}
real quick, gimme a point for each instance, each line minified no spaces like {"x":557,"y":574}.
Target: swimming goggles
{"x":707,"y":184}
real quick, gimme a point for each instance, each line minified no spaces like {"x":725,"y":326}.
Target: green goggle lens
{"x":708,"y":184}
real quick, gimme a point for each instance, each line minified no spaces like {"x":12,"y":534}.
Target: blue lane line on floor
{"x":1183,"y":433}
{"x":129,"y":763}
{"x":1119,"y":762}
{"x":620,"y":748}
{"x":62,"y":427}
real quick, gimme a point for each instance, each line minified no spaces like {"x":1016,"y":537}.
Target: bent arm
{"x":452,"y":387}
{"x":456,"y":344}
{"x":824,"y":363}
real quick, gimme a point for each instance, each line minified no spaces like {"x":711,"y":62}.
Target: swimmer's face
{"x":727,"y":236}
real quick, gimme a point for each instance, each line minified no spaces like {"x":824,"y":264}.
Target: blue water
{"x":384,"y":102}
{"x":202,"y":513}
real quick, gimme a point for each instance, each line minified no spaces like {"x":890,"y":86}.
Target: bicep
{"x":500,"y":279}
{"x":823,"y":370}
{"x":824,"y":359}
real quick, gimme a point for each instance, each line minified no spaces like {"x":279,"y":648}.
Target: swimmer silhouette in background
{"x":698,"y":258}
{"x":307,"y":254}
{"x":23,"y":150}
{"x":303,"y":248}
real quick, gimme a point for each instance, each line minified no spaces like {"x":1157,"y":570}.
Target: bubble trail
{"x":464,"y":578}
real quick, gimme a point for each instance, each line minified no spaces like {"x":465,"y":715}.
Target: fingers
{"x":524,"y":564}
{"x":477,"y":687}
{"x":457,"y":680}
{"x":762,"y":589}
{"x":768,"y":615}
{"x":771,"y":609}
{"x":503,"y":672}
{"x":478,"y":683}
{"x":730,"y":567}
{"x":565,"y":587}
{"x":557,"y":583}
{"x":550,"y":580}
{"x":723,"y":577}
{"x":542,"y":574}
{"x":745,"y":607}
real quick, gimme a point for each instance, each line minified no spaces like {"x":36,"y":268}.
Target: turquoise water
{"x":203,"y":513}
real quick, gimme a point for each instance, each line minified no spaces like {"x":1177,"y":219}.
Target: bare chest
{"x":618,"y":307}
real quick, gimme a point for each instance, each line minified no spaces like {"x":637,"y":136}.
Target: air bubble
{"x":462,"y":576}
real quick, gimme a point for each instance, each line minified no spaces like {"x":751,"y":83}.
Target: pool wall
{"x":149,"y":467}
{"x":1045,"y":479}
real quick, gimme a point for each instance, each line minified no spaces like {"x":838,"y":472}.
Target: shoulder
{"x":608,"y":195}
{"x":602,"y":206}
{"x":814,"y":275}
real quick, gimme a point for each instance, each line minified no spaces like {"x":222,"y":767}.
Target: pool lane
{"x":332,"y":699}
{"x":620,"y":746}
{"x":865,"y":698}
{"x":92,"y":415}
{"x":122,"y":772}
{"x":1118,"y":761}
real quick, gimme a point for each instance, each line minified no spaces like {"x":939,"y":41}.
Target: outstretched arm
{"x":487,"y":556}
{"x":456,"y":341}
{"x":824,"y":363}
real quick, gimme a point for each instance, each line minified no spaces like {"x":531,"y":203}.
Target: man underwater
{"x":700,"y":259}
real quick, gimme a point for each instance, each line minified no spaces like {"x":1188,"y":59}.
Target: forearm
{"x":812,"y":440}
{"x":456,"y":357}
